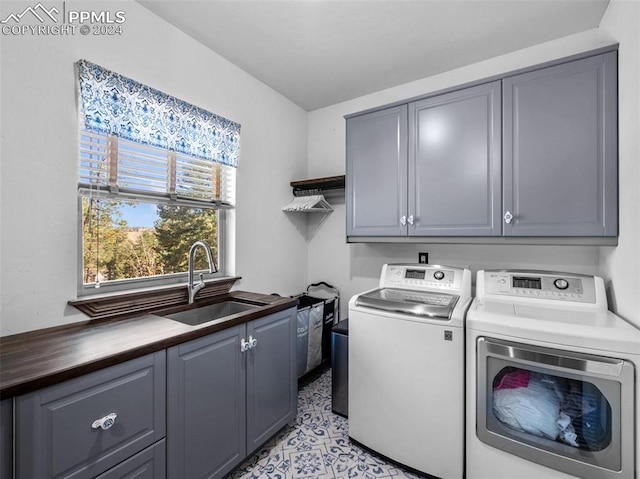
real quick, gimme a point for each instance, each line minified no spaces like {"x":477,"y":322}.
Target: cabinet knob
{"x":253,"y":342}
{"x":410,"y":220}
{"x":508,"y":217}
{"x":403,"y":220}
{"x":244,"y":346}
{"x":105,"y":422}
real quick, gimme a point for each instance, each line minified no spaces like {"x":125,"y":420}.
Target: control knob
{"x":561,"y":283}
{"x":438,"y":275}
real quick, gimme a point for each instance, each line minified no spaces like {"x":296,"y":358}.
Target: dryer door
{"x":569,"y":411}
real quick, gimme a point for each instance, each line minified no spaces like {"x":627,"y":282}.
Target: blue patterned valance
{"x":117,"y":105}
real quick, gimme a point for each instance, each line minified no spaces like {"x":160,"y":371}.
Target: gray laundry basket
{"x":316,"y":316}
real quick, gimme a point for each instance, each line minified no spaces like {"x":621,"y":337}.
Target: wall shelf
{"x":309,"y":194}
{"x":323,"y":186}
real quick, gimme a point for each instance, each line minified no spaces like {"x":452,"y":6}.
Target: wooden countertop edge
{"x":53,"y":355}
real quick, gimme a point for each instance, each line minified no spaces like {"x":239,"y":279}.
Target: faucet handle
{"x":201,"y":277}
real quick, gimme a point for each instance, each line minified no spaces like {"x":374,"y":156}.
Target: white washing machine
{"x":406,"y":367}
{"x":551,"y":380}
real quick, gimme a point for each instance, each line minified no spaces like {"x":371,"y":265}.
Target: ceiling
{"x":321,"y":52}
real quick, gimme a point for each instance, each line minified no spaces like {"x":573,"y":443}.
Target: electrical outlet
{"x":423,"y":258}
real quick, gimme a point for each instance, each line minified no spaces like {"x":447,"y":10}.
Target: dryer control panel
{"x":539,"y":285}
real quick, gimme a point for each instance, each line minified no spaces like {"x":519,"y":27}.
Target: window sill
{"x":128,"y":303}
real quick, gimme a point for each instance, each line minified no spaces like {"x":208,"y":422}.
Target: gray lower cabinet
{"x":206,"y":405}
{"x":83,"y":427}
{"x":148,"y":464}
{"x":218,"y":399}
{"x":6,"y":438}
{"x":272,"y":384}
{"x":560,"y":150}
{"x":227,"y":393}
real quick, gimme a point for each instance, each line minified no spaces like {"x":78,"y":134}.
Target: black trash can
{"x":340,"y":368}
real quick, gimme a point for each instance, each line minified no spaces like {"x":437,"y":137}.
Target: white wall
{"x":39,"y":172}
{"x":620,"y":266}
{"x":356,"y":267}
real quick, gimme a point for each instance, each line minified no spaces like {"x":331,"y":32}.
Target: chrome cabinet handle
{"x":410,"y":220}
{"x":508,"y":217}
{"x":403,"y":220}
{"x":105,"y":422}
{"x":247,"y":345}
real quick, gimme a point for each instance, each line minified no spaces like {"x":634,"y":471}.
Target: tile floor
{"x":316,"y":446}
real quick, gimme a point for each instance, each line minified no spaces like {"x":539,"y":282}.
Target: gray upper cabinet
{"x":376,"y":182}
{"x":228,"y":393}
{"x":429,"y":168}
{"x":531,"y":155}
{"x":455,"y":163}
{"x":560,"y":150}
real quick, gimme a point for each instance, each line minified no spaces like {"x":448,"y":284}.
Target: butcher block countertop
{"x":36,"y":359}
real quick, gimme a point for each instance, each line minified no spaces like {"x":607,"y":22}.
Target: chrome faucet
{"x":194,"y":288}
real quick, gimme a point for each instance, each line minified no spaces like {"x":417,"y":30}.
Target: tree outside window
{"x":120,"y":244}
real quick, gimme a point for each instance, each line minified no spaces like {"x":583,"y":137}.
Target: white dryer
{"x":551,"y":386}
{"x":406,"y":367}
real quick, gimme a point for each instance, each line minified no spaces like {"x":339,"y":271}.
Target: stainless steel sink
{"x":204,"y":314}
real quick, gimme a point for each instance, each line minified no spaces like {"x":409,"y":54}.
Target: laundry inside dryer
{"x":566,"y":410}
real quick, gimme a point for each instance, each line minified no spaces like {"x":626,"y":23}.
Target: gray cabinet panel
{"x":455,"y":163}
{"x":560,"y":149}
{"x":533,"y":157}
{"x":56,"y":437}
{"x":271,"y":377}
{"x":206,"y":406}
{"x":148,"y":464}
{"x":6,"y":438}
{"x":223,"y":403}
{"x":376,"y":180}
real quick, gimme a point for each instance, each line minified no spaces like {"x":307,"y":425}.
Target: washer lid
{"x":417,"y":303}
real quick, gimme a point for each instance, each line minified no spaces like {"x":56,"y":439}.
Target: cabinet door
{"x":272,"y":385}
{"x":455,"y":163}
{"x":560,"y":150}
{"x":376,"y":183}
{"x":206,"y":406}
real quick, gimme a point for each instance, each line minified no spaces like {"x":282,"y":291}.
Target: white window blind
{"x":125,"y":167}
{"x":136,"y":140}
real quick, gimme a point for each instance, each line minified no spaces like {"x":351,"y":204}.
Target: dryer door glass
{"x":544,"y":405}
{"x":558,"y":408}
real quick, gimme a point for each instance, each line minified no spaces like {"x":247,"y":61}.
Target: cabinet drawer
{"x":55,"y":435}
{"x":148,"y":464}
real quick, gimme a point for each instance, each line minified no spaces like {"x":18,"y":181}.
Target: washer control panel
{"x":419,"y":276}
{"x":541,"y":285}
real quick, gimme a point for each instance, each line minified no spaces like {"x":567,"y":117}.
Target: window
{"x":155,"y":175}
